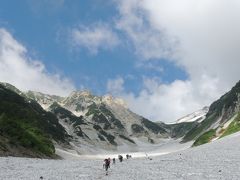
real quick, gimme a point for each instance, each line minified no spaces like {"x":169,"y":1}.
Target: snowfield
{"x":217,"y":160}
{"x":164,"y":147}
{"x":198,"y":116}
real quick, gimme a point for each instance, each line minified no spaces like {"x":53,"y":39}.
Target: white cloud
{"x":17,"y":68}
{"x":149,"y":42}
{"x":94,"y":38}
{"x":168,"y":102}
{"x":115,"y":86}
{"x":207,"y":31}
{"x":202,"y":37}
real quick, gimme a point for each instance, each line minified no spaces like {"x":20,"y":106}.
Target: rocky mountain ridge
{"x":84,"y":123}
{"x":106,"y":121}
{"x":91,"y":122}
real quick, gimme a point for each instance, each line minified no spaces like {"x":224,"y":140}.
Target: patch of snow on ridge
{"x":198,"y":116}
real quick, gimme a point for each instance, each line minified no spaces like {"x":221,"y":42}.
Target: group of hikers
{"x":107,"y":162}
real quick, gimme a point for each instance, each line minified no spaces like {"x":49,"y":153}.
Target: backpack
{"x":106,"y":162}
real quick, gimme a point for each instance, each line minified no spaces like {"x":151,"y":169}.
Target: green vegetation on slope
{"x":25,"y":125}
{"x":205,"y":138}
{"x":197,"y":130}
{"x":101,"y":115}
{"x":226,"y":101}
{"x":110,"y":138}
{"x":180,"y":129}
{"x":63,"y":113}
{"x":233,"y":127}
{"x":220,"y":108}
{"x":26,"y":135}
{"x":154,"y":127}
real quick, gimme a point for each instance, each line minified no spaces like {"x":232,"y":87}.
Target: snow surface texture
{"x":168,"y":146}
{"x":198,"y":116}
{"x":217,"y":160}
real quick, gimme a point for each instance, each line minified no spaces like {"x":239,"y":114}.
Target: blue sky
{"x":42,"y":29}
{"x":165,"y":58}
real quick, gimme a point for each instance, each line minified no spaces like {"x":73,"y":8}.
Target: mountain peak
{"x":80,"y":93}
{"x":45,"y":100}
{"x":109,"y":99}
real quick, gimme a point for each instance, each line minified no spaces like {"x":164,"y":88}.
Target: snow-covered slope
{"x":217,"y":160}
{"x":198,"y":116}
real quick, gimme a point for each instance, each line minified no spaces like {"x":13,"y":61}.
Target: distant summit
{"x":99,"y":122}
{"x":198,"y":116}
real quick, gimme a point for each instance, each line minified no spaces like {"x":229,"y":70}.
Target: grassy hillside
{"x":233,"y":127}
{"x":25,"y":128}
{"x":20,"y":133}
{"x":205,"y":138}
{"x":200,"y":128}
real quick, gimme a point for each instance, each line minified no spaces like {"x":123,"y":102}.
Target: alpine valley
{"x":33,"y":124}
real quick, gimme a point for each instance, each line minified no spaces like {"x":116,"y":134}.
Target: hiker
{"x":106,"y":165}
{"x":109,"y":162}
{"x":148,"y":157}
{"x":120,"y":158}
{"x":114,"y":160}
{"x":127,"y":156}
